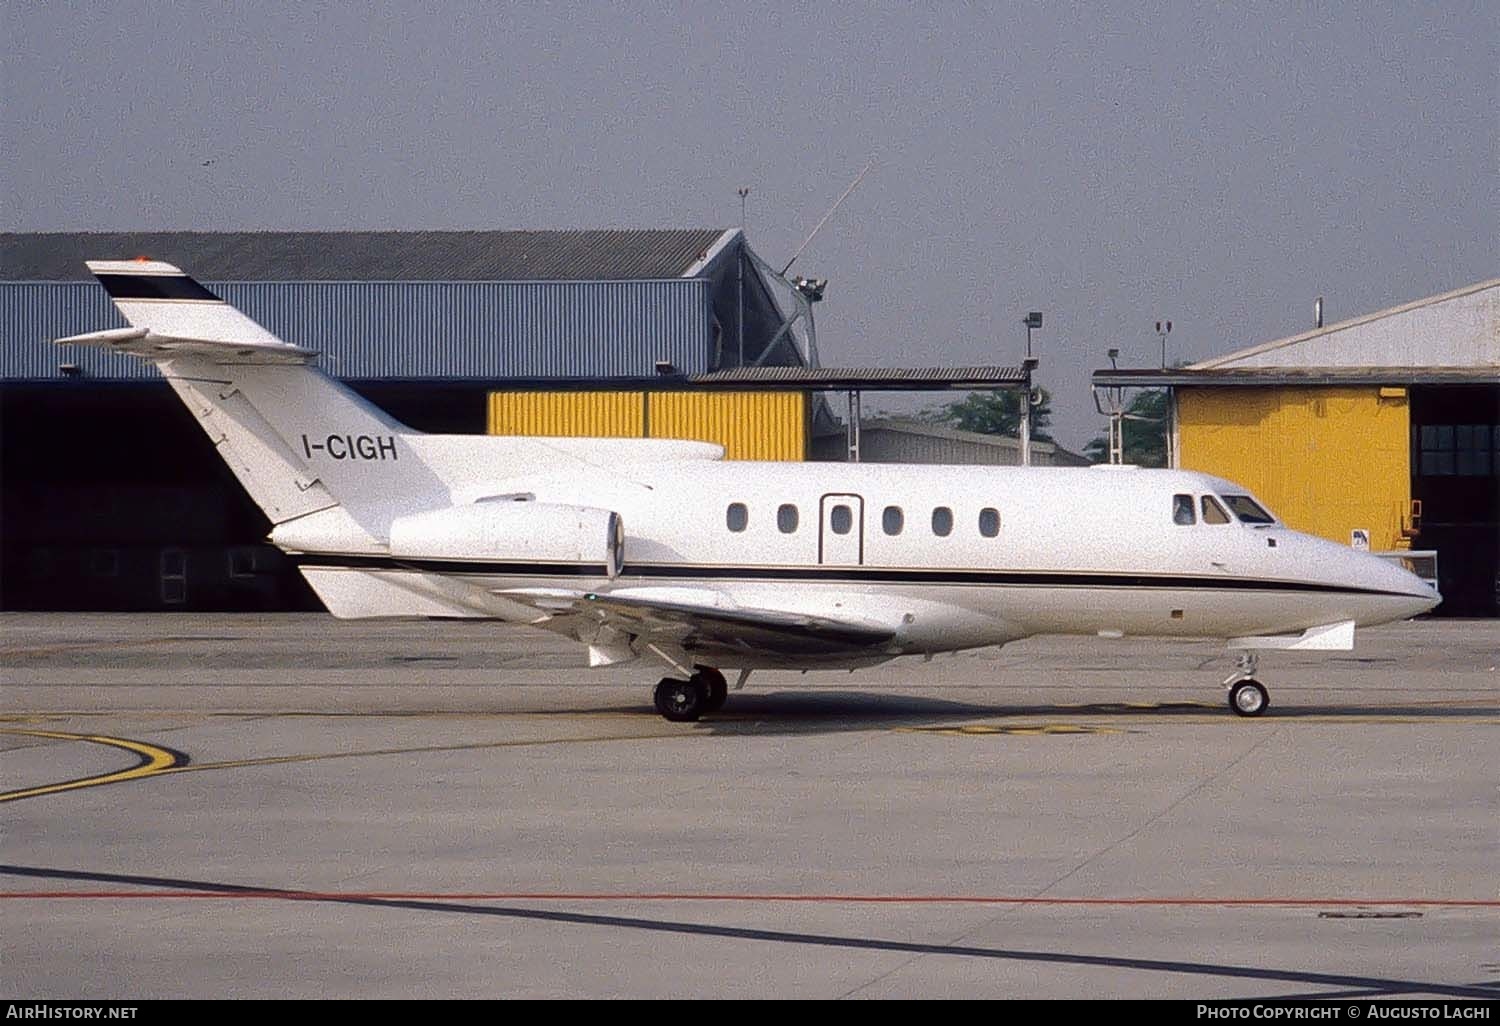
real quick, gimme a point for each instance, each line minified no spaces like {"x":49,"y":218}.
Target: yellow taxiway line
{"x":158,"y":761}
{"x":154,"y":760}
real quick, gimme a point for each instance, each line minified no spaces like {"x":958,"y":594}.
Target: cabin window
{"x":1213,"y":513}
{"x":737,"y":516}
{"x":989,"y":522}
{"x":786,"y":518}
{"x":840,"y":519}
{"x":892,"y":520}
{"x":1248,"y":510}
{"x":1182,"y":510}
{"x":942,"y":521}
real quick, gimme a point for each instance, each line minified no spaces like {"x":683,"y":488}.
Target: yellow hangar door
{"x":1328,"y":461}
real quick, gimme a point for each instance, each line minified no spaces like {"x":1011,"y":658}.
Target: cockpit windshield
{"x":1247,"y":509}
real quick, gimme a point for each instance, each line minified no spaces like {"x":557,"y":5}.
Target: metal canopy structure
{"x":853,"y":381}
{"x":862,"y":379}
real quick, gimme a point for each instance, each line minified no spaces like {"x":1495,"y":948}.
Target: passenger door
{"x":841,"y":532}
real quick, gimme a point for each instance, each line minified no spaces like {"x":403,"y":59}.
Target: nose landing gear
{"x":684,"y":701}
{"x":1247,"y":696}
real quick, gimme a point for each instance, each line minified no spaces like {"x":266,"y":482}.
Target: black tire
{"x":718,"y":688}
{"x":681,"y":701}
{"x":1248,"y":698}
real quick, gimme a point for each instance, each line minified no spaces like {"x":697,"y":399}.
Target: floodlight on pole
{"x":1033,"y":321}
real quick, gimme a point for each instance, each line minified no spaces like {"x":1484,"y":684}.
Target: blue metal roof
{"x":403,"y":330}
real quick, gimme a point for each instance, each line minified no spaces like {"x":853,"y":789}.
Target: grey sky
{"x":1109,"y":164}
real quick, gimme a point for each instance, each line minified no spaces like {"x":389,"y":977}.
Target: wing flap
{"x":708,"y":619}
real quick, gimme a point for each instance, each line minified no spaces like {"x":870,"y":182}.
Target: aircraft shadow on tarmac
{"x":798,"y":712}
{"x":1320,"y":984}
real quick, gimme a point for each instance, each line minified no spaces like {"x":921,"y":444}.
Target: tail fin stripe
{"x":154,"y":286}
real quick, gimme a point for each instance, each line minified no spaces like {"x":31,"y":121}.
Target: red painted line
{"x":827,"y":899}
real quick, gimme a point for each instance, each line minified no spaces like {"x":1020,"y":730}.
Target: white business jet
{"x":662,"y":549}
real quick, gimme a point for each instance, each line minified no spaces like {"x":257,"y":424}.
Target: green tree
{"x":1144,"y":441}
{"x":993,"y":413}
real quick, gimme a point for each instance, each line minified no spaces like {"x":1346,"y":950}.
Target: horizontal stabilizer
{"x":146,"y":343}
{"x":1330,"y":637}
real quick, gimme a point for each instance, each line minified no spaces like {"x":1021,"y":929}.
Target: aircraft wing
{"x":693,"y":619}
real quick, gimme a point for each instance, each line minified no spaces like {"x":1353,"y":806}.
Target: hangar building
{"x":1382,"y":430}
{"x":111,"y":499}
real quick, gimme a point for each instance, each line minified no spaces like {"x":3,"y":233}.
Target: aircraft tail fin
{"x":298,"y":441}
{"x":171,"y":306}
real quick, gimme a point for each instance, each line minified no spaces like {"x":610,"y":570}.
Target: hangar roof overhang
{"x":1450,"y":338}
{"x":1310,"y":377}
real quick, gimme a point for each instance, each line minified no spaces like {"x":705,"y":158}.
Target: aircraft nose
{"x":1397,"y":580}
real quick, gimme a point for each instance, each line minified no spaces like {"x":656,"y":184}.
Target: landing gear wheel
{"x":1248,"y":698}
{"x":718,"y":688}
{"x":681,"y":701}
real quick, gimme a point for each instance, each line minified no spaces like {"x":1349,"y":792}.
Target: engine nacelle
{"x":511,"y":531}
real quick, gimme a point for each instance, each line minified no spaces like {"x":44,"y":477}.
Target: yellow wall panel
{"x":749,"y":425}
{"x":568,"y":414}
{"x":1326,"y":460}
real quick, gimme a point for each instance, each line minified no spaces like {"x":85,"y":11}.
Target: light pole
{"x":1033,"y":321}
{"x":1169,"y":427}
{"x":743,"y":191}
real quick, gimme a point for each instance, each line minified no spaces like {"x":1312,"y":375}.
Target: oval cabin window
{"x":737,"y":516}
{"x":786,"y":518}
{"x":942,"y":521}
{"x":840,"y":519}
{"x":892,"y":520}
{"x":989,"y":522}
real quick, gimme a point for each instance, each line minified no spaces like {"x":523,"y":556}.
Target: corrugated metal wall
{"x":580,"y":414}
{"x":403,"y":329}
{"x":749,"y":425}
{"x":1326,"y":460}
{"x":892,"y":443}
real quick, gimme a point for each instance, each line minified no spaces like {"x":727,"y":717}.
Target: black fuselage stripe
{"x":834,"y":574}
{"x":153,"y":286}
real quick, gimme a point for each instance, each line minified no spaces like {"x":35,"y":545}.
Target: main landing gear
{"x":683,"y":701}
{"x":1247,"y":696}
